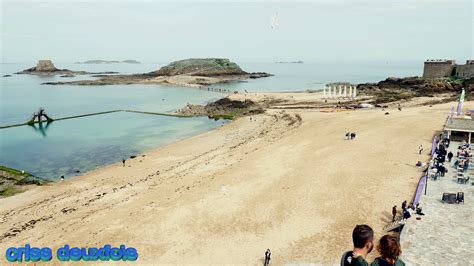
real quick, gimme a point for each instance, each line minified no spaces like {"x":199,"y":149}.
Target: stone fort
{"x":448,"y":68}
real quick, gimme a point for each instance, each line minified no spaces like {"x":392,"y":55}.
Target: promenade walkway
{"x":445,"y":234}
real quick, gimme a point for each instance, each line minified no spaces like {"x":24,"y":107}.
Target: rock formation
{"x":44,"y":66}
{"x":47,"y":67}
{"x":188,"y":72}
{"x":207,"y":67}
{"x":393,"y":89}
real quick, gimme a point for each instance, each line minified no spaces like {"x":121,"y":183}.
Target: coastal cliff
{"x":188,"y":72}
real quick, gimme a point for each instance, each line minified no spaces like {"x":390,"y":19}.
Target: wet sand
{"x":225,"y":196}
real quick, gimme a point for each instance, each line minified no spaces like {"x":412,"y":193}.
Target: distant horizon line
{"x":237,"y":61}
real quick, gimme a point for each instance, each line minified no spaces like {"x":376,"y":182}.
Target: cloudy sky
{"x":159,"y":31}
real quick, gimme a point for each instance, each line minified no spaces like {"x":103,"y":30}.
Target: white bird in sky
{"x":274,"y":21}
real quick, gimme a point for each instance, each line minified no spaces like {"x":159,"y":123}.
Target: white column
{"x":331,"y":91}
{"x":469,"y":138}
{"x":345,"y":91}
{"x":350,"y":91}
{"x":340,"y":90}
{"x":324,"y":92}
{"x":355,"y":91}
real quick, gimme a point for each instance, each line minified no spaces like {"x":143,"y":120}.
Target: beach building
{"x":460,"y":128}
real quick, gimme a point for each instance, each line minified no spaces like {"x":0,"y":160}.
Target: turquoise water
{"x":64,"y":147}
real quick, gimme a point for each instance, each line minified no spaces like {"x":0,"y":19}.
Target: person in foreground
{"x":363,"y":239}
{"x":390,"y":251}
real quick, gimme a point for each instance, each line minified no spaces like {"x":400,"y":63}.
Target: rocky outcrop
{"x":188,"y":73}
{"x":223,"y":108}
{"x":46,"y":67}
{"x":393,"y":89}
{"x":12,"y":181}
{"x":207,"y":67}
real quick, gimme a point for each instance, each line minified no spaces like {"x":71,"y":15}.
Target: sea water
{"x":71,"y":147}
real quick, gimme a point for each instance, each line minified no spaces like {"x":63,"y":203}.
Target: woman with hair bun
{"x":390,"y":251}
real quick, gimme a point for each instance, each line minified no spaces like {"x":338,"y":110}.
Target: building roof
{"x":460,"y":124}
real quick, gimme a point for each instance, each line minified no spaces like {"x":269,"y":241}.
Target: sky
{"x":159,"y":31}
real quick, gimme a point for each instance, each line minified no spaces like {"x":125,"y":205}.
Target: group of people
{"x":463,"y":155}
{"x":363,"y":239}
{"x":350,"y":135}
{"x":407,"y":210}
{"x":436,"y":166}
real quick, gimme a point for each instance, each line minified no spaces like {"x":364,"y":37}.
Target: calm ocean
{"x":65,"y":147}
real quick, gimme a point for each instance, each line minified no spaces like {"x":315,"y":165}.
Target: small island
{"x":109,"y":62}
{"x":290,"y":62}
{"x":195,"y":72}
{"x":46,"y":67}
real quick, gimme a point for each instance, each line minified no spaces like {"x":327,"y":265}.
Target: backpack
{"x":346,"y":258}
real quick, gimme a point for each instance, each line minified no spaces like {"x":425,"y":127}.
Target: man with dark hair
{"x":363,"y":239}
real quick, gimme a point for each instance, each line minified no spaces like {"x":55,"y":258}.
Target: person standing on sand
{"x":268,"y":254}
{"x":390,"y":251}
{"x":394,"y":213}
{"x":363,"y":239}
{"x":123,"y":162}
{"x":404,"y":205}
{"x":420,"y":149}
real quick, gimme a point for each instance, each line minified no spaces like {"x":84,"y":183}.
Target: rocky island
{"x":109,"y":62}
{"x":46,"y":67}
{"x":189,"y":72}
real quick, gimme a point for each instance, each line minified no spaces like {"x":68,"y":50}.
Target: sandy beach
{"x":225,"y":196}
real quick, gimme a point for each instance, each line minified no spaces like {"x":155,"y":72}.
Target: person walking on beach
{"x":390,"y":251}
{"x":268,"y":254}
{"x":123,"y":162}
{"x":450,"y":156}
{"x":399,"y":108}
{"x":353,"y":135}
{"x":363,"y":240}
{"x":394,"y":213}
{"x":420,"y":149}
